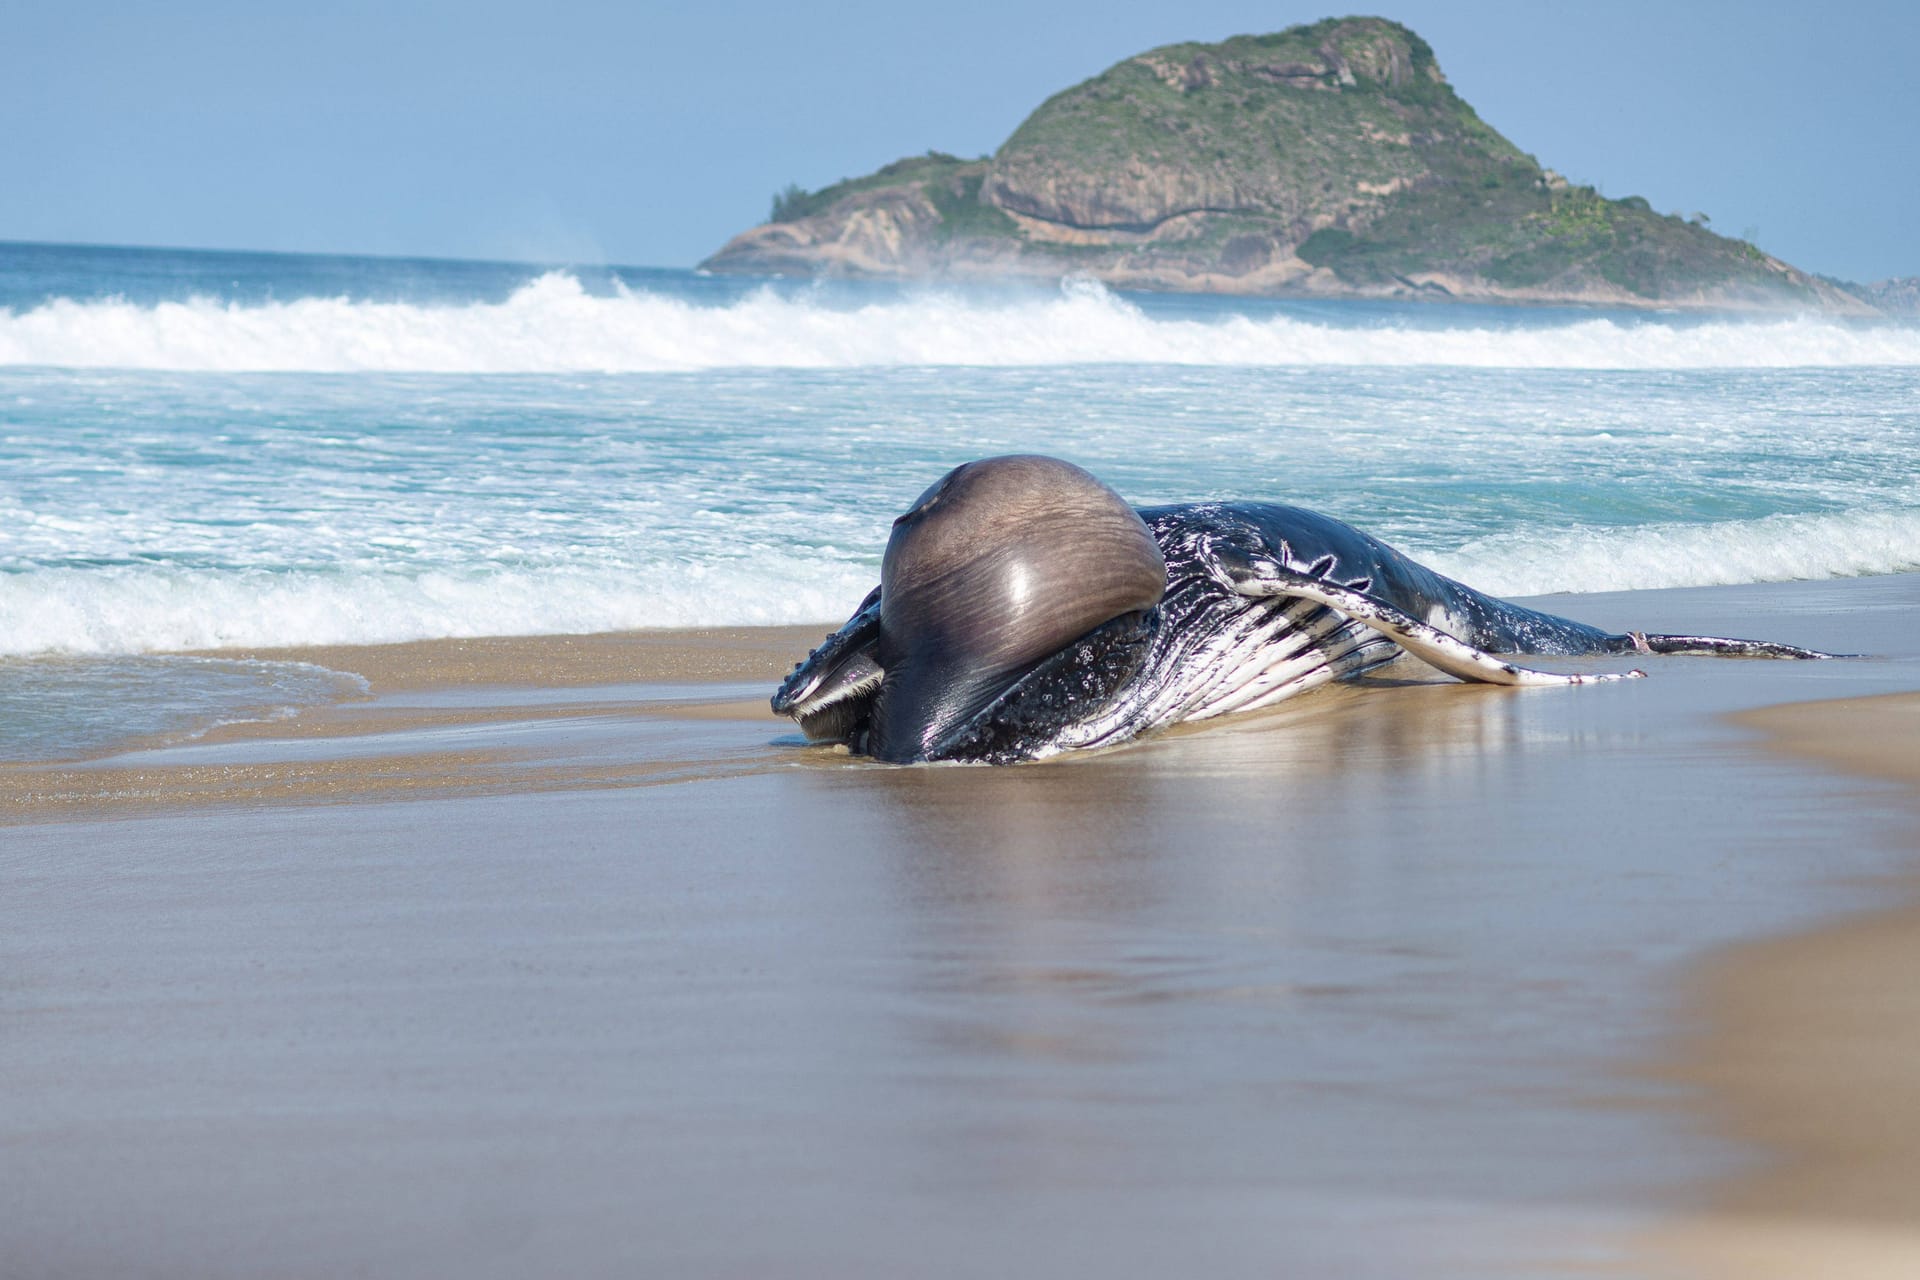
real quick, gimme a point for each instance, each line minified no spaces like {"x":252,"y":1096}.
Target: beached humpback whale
{"x":1025,"y":609}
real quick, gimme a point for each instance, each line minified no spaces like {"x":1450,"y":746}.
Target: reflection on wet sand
{"x":1234,"y":954}
{"x":1324,"y":991}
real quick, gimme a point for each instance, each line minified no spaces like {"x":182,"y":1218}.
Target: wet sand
{"x":1807,"y":1047}
{"x":564,"y":954}
{"x":760,"y":654}
{"x":446,"y":718}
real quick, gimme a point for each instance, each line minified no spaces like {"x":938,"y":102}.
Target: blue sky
{"x":646,"y":133}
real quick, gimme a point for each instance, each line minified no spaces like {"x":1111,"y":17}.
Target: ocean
{"x":201,"y":450}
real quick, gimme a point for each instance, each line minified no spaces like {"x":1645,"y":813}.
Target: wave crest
{"x":553,"y":325}
{"x":144,"y":609}
{"x":1781,"y":548}
{"x":131,"y":609}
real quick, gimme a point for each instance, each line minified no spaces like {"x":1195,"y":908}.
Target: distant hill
{"x":1331,"y":159}
{"x":1897,"y":297}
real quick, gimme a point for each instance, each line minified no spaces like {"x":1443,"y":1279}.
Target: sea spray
{"x":553,"y":324}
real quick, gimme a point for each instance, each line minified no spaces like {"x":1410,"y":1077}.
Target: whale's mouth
{"x":831,"y":693}
{"x":840,"y":710}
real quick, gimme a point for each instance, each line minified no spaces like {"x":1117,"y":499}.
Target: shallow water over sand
{"x":1328,"y":992}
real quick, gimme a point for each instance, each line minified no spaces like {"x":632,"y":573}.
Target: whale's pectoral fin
{"x":1722,"y":647}
{"x":1257,"y":575}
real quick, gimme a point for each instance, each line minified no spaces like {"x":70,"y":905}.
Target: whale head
{"x":997,"y":567}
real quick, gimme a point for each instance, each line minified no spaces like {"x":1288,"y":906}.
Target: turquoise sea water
{"x":209,"y":449}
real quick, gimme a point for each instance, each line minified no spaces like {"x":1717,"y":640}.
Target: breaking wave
{"x":129,"y":609}
{"x":553,"y":324}
{"x":1782,"y":548}
{"x":134,"y":609}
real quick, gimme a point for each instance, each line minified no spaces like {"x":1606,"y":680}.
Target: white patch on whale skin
{"x":1441,"y":618}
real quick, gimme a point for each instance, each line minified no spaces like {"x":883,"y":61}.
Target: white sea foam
{"x":553,"y":325}
{"x":1772,"y":549}
{"x":143,"y":609}
{"x":135,"y":610}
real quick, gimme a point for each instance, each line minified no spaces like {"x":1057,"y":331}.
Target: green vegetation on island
{"x":1329,"y":159}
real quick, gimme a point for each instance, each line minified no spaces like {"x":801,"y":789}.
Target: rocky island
{"x":1327,"y":160}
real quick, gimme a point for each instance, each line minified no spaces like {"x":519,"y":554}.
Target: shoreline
{"x":414,"y":734}
{"x":1375,"y":955}
{"x":440,"y":718}
{"x":1300,"y":283}
{"x":677,"y":654}
{"x":1839,"y":1186}
{"x":1805,"y":1047}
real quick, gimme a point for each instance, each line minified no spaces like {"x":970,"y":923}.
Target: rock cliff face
{"x":1331,"y":159}
{"x":1897,"y":297}
{"x":1302,"y":128}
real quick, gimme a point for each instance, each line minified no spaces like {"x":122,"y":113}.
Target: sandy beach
{"x":564,"y":954}
{"x":1808,"y":1048}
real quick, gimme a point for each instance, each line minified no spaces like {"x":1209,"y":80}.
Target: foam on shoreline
{"x":147,"y":609}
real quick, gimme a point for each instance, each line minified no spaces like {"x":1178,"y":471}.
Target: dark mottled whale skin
{"x":1025,"y":610}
